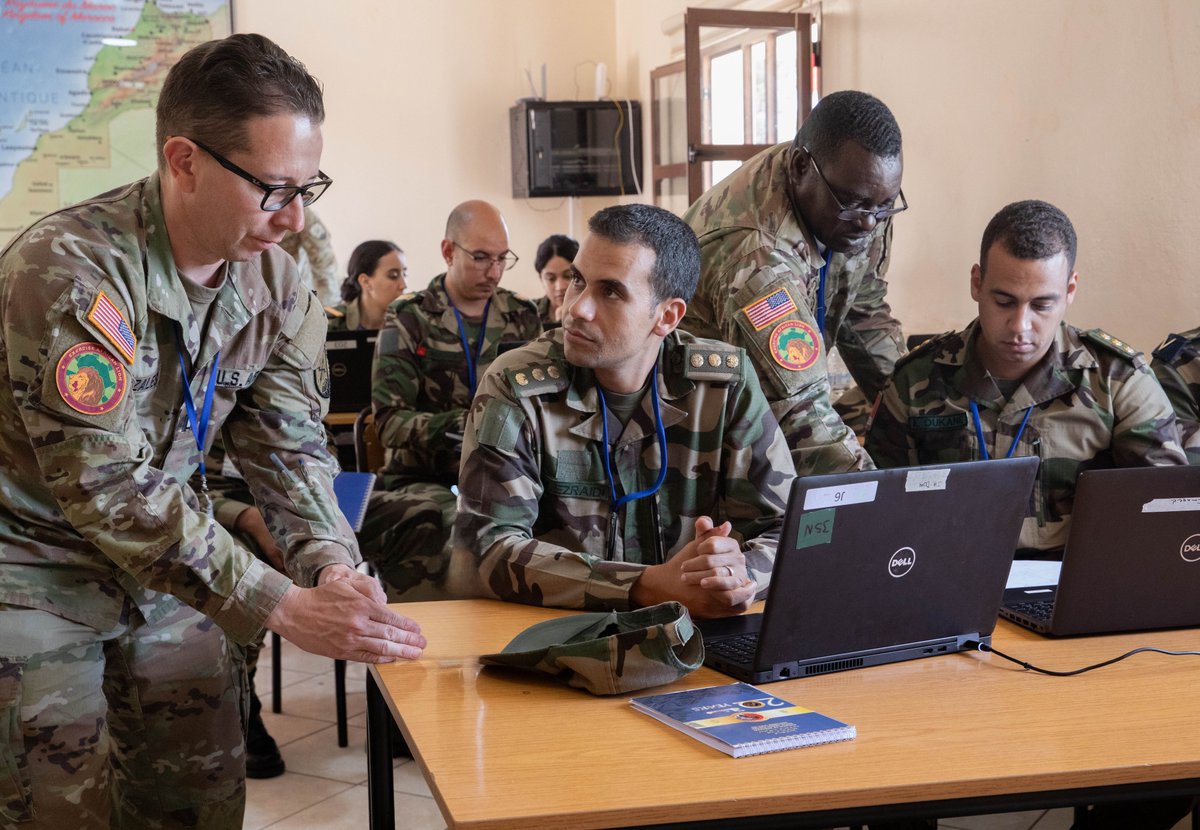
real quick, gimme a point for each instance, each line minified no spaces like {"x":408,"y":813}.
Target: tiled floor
{"x":325,"y":787}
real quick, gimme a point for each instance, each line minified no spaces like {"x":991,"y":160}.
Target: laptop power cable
{"x":975,"y":645}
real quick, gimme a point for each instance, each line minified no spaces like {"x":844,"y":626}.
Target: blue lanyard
{"x":615,"y":504}
{"x":821,"y":295}
{"x":472,"y":361}
{"x":979,"y":432}
{"x":199,"y":425}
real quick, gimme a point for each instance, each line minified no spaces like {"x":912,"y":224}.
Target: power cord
{"x":978,"y":646}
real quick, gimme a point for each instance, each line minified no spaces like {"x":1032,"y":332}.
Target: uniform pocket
{"x":16,"y":785}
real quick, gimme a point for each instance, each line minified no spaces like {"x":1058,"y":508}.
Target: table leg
{"x":380,"y":792}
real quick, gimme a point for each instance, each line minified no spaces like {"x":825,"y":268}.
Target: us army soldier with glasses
{"x":794,"y":248}
{"x":134,"y":327}
{"x":619,"y":462}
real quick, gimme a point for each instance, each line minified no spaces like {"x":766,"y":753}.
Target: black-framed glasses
{"x":275,"y":196}
{"x":855,"y":214}
{"x":484,"y":261}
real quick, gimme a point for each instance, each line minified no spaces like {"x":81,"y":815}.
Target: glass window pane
{"x":758,"y":92}
{"x":717,"y":170}
{"x":786,"y":93}
{"x":726,"y":99}
{"x":671,"y":113}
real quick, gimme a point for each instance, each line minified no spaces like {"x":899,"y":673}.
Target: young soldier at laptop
{"x":565,"y":499}
{"x":433,"y":348}
{"x":1177,"y":365}
{"x":1020,"y":381}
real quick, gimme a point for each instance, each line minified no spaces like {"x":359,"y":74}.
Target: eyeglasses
{"x":484,"y":261}
{"x":858,"y":214}
{"x":275,"y":196}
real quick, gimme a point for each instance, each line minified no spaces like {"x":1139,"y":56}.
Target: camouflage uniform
{"x":760,"y":271}
{"x":534,"y":495}
{"x":313,"y":251}
{"x":543,"y":310}
{"x":344,"y":316}
{"x":102,"y":540}
{"x":1177,"y":365}
{"x":1095,"y":404}
{"x":420,"y":393}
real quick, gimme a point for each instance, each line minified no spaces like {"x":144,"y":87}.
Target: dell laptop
{"x":350,"y":355}
{"x":881,"y":566}
{"x":1132,"y":559}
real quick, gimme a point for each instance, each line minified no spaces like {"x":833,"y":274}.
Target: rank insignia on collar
{"x":90,"y":380}
{"x":111,"y":322}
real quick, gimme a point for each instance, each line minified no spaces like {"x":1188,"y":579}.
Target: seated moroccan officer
{"x":1019,"y":381}
{"x":433,"y":347}
{"x":618,"y":462}
{"x":1177,"y":365}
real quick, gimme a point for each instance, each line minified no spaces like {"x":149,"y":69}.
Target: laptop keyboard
{"x":739,"y":649}
{"x":1038,"y":609}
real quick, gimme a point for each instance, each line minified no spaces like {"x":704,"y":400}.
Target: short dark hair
{"x":1031,"y":229}
{"x":676,"y":250}
{"x":850,"y":115}
{"x":364,"y":260}
{"x":552,"y":246}
{"x":218,"y":86}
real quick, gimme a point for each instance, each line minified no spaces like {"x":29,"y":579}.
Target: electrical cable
{"x":984,"y":647}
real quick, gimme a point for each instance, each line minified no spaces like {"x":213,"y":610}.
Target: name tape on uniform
{"x":924,"y":481}
{"x":840,"y":496}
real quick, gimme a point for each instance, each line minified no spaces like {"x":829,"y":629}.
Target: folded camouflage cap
{"x":609,"y":653}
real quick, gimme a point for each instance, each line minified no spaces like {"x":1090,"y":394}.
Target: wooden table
{"x":944,"y":736}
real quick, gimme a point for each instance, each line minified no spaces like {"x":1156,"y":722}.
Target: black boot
{"x":262,"y":753}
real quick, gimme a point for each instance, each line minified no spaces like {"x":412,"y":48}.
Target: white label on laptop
{"x":1171,"y":506}
{"x":840,"y":496}
{"x":925,"y":480}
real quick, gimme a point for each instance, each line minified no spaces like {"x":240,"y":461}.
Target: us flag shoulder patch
{"x":766,"y":310}
{"x":111,"y":322}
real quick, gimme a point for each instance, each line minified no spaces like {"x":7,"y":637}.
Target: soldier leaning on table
{"x":119,"y":702}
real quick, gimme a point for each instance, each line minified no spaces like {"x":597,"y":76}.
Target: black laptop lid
{"x":1132,"y":559}
{"x":876,"y":559}
{"x":350,"y":354}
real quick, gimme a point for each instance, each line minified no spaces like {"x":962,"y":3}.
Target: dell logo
{"x":1190,"y":549}
{"x":902,"y":562}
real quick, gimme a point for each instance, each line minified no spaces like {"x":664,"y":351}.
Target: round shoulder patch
{"x":90,"y":380}
{"x":794,"y":345}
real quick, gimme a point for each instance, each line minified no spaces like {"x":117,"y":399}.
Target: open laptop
{"x":350,"y":354}
{"x":881,"y":566}
{"x":1132,"y":559}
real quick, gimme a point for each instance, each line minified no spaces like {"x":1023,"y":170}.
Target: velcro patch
{"x":794,"y":345}
{"x":928,"y":423}
{"x":501,"y":425}
{"x":90,"y":380}
{"x":111,"y":322}
{"x":766,"y":310}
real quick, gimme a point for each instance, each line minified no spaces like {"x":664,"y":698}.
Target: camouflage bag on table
{"x":609,"y":653}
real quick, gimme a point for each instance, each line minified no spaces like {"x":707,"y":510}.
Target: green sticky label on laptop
{"x":816,"y":528}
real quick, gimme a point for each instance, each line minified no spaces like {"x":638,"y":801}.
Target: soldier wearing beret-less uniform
{"x":794,"y":247}
{"x":133,"y":328}
{"x":434,"y":346}
{"x":1020,"y":381}
{"x":618,"y":462}
{"x":1177,"y":365}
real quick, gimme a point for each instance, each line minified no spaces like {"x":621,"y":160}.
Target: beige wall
{"x":417,"y":95}
{"x":1090,"y":104}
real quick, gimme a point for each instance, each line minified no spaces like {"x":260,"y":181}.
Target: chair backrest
{"x":368,"y":451}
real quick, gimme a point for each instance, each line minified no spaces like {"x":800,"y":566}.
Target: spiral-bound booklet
{"x":739,"y":719}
